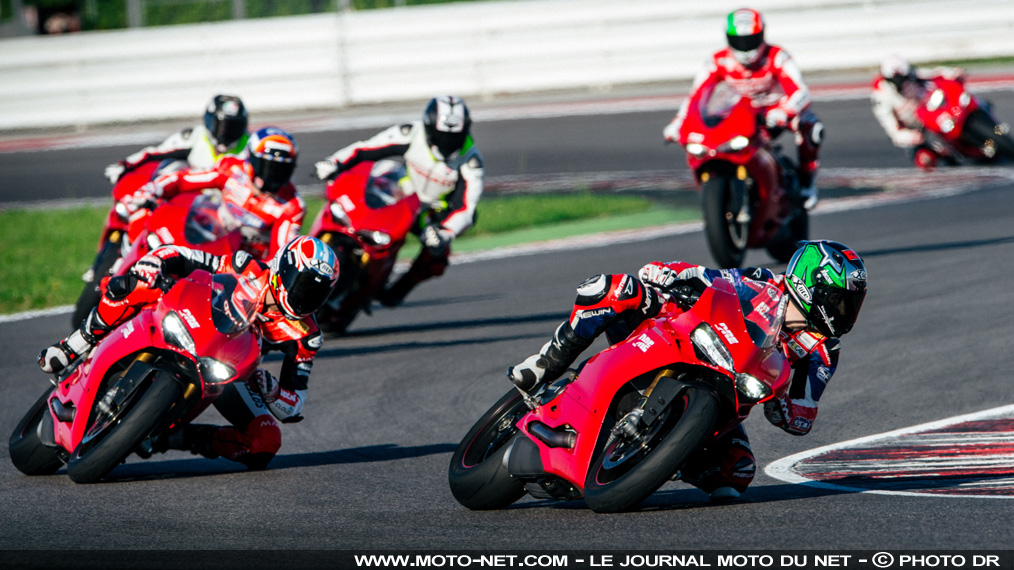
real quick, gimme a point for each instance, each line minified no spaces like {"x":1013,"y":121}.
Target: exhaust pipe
{"x":552,"y":437}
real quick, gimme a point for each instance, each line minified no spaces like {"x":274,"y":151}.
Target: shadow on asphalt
{"x":191,"y":467}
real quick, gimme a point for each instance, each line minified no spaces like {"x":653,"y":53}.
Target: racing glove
{"x":436,"y":239}
{"x":327,"y":169}
{"x":264,"y":384}
{"x":662,"y":277}
{"x":907,"y":138}
{"x":114,"y":171}
{"x":671,"y":132}
{"x":149,"y":270}
{"x":776,"y":118}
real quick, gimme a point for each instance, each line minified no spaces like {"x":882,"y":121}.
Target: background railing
{"x":474,"y":49}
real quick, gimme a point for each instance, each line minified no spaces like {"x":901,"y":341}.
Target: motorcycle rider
{"x":299,"y":279}
{"x":897,"y":94}
{"x":259,"y":184}
{"x":767,"y":75}
{"x":826,"y":284}
{"x":223,"y":133}
{"x":444,"y":169}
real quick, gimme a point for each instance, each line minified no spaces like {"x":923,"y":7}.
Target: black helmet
{"x":447,"y":124}
{"x":826,"y":281}
{"x":226,"y":120}
{"x":272,"y":153}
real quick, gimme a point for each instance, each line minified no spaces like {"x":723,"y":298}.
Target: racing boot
{"x":58,"y":357}
{"x":551,"y":361}
{"x":195,"y":438}
{"x":427,"y":264}
{"x":808,"y":187}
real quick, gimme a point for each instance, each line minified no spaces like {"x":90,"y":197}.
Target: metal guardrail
{"x":475,"y":49}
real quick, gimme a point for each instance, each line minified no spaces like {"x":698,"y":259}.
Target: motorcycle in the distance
{"x":197,"y":220}
{"x":749,"y":189}
{"x":962,"y":126}
{"x":632,"y":415}
{"x":366,"y":219}
{"x":145,"y":379}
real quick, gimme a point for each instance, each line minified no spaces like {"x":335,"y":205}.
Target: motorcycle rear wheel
{"x":477,"y":476}
{"x":110,"y":439}
{"x":28,"y":453}
{"x":726,"y":237}
{"x":626,"y":471}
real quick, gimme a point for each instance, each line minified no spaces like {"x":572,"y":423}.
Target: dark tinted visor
{"x":306,"y":290}
{"x":746,"y":43}
{"x":274,"y":173}
{"x":844,"y":308}
{"x":226,"y":130}
{"x":447,"y":143}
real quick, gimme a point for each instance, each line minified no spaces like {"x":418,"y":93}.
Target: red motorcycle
{"x":632,"y":415}
{"x":145,"y":379}
{"x":110,"y":246}
{"x":962,"y":125}
{"x":750,"y":190}
{"x":366,"y":219}
{"x":196,"y":220}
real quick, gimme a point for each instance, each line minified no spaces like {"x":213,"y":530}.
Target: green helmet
{"x":826,"y":281}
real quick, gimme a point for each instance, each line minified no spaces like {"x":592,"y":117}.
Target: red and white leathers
{"x":896,"y":111}
{"x":192,"y":145}
{"x":269,"y":221}
{"x":775,"y":86}
{"x":616,"y":304}
{"x":254,"y":436}
{"x":449,"y":187}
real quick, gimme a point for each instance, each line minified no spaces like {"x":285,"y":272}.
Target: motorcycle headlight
{"x":738,"y":142}
{"x":215,"y":371}
{"x":339,"y":215}
{"x":176,"y":333}
{"x":696,"y":149}
{"x":935,"y":100}
{"x":965,"y":99}
{"x":752,"y":389}
{"x":375,"y":237}
{"x":709,"y":348}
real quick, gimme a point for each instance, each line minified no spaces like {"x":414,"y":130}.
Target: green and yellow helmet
{"x":826,"y":281}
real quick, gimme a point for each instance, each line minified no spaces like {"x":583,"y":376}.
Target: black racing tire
{"x":618,"y":482}
{"x":106,"y":446}
{"x":795,"y":229}
{"x":980,"y":128}
{"x":92,"y":294}
{"x":477,"y":477}
{"x":28,"y":453}
{"x":726,"y":238}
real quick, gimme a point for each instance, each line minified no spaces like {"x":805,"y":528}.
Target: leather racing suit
{"x":191,"y":144}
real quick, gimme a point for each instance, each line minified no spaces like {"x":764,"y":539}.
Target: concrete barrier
{"x":474,"y":49}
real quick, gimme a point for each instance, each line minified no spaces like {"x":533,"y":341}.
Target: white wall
{"x":473,"y":49}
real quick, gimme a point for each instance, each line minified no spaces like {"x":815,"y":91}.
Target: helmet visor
{"x":274,"y":173}
{"x":447,"y":143}
{"x":745,"y":43}
{"x":305,"y":291}
{"x":225,"y":130}
{"x":842,"y":308}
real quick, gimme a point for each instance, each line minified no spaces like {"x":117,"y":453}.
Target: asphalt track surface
{"x":367,"y":468}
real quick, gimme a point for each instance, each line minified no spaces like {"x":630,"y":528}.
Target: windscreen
{"x":763,"y":306}
{"x":717,"y":104}
{"x":385,"y":184}
{"x":235,"y":300}
{"x":209,"y":219}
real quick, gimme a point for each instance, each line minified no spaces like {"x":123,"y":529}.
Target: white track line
{"x":782,"y":469}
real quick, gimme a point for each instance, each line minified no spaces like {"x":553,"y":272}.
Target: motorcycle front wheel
{"x":477,"y":476}
{"x":626,"y":470}
{"x":28,"y":453}
{"x":726,"y":233}
{"x":112,"y":436}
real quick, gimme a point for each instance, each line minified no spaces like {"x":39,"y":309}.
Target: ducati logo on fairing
{"x":127,"y":330}
{"x":189,"y":318}
{"x":724,"y":329}
{"x":643,"y":342}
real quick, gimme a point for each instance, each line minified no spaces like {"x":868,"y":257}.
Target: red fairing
{"x":659,"y":343}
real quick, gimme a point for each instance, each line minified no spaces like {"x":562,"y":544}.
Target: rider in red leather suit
{"x":286,"y":324}
{"x":767,"y":75}
{"x":820,"y":311}
{"x":260,"y":185}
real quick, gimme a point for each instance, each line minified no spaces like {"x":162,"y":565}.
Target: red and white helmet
{"x":745,"y":32}
{"x":302,"y":276}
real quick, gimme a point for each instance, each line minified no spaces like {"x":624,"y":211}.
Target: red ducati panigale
{"x":633,"y":414}
{"x":114,"y":231}
{"x":197,"y":220}
{"x":366,"y":219}
{"x":146,"y":378}
{"x":750,"y":190}
{"x":962,"y":124}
